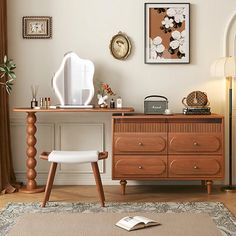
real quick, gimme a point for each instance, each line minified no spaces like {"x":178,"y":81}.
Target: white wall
{"x":86,"y":27}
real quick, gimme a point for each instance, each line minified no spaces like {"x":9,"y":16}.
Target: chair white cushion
{"x":73,"y":156}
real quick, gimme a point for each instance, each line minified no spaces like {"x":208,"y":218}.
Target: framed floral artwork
{"x":37,"y":27}
{"x":167,"y":36}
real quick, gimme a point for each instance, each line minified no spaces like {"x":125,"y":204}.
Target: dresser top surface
{"x":172,"y":116}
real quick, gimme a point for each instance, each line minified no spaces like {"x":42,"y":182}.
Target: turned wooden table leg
{"x":31,"y":185}
{"x":123,"y":185}
{"x":209,"y":186}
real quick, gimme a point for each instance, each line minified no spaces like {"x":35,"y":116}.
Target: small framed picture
{"x":120,"y":46}
{"x":37,"y":27}
{"x":167,"y":36}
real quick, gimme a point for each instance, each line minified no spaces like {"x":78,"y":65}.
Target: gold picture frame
{"x":37,"y":27}
{"x":120,"y":46}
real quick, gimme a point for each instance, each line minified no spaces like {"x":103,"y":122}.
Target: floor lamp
{"x":226,"y":67}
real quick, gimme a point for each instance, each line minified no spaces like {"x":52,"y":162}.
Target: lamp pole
{"x":230,"y":187}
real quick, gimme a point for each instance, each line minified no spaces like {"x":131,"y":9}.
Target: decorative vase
{"x":102,"y":101}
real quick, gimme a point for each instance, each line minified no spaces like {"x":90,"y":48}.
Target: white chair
{"x":71,"y":157}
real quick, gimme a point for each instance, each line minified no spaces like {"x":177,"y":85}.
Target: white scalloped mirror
{"x":73,"y":82}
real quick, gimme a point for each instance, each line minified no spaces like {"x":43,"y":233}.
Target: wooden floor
{"x":134,"y":194}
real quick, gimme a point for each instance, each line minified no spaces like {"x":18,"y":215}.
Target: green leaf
{"x":9,"y":83}
{"x":10,"y":80}
{"x":7,"y":70}
{"x":2,"y":69}
{"x":12,"y":75}
{"x":8,"y":90}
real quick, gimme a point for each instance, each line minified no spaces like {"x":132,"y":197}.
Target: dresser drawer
{"x":139,"y":143}
{"x":195,"y":166}
{"x":194,"y":143}
{"x":140,"y":166}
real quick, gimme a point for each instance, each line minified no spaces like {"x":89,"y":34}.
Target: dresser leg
{"x":209,"y":186}
{"x":123,"y":185}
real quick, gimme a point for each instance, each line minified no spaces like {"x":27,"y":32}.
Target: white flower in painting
{"x":177,"y":13}
{"x":179,"y":41}
{"x":171,"y":12}
{"x":167,"y":22}
{"x":156,"y":47}
{"x":180,"y":15}
{"x":157,"y":42}
{"x":182,"y":47}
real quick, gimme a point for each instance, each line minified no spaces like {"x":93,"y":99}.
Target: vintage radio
{"x":155,"y":104}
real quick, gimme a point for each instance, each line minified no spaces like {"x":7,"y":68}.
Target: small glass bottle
{"x":41,"y":103}
{"x":33,"y":103}
{"x":112,"y":103}
{"x":119,"y":102}
{"x":45,"y":103}
{"x":48,"y":102}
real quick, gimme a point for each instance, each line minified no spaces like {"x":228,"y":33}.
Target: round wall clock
{"x":120,"y":46}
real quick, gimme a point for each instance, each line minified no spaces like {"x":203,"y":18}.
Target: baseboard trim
{"x":86,"y":179}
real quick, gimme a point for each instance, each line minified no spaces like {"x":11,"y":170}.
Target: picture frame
{"x":167,"y":33}
{"x":37,"y":27}
{"x":120,"y":46}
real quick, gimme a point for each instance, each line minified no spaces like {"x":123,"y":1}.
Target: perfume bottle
{"x":48,"y":102}
{"x":41,"y":103}
{"x":112,"y":103}
{"x":119,"y":102}
{"x":34,"y":91}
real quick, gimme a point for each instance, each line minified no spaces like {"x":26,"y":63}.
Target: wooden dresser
{"x":174,"y":147}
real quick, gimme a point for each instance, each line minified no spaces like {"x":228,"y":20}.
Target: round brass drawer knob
{"x":195,"y":167}
{"x":195,"y":144}
{"x":140,"y":144}
{"x":140,"y":167}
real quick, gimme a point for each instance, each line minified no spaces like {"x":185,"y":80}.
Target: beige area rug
{"x":223,"y":219}
{"x":90,"y":224}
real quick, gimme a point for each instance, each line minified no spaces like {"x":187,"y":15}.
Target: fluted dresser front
{"x":174,"y":147}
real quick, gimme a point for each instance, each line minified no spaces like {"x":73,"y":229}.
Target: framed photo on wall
{"x":167,"y":37}
{"x":37,"y":27}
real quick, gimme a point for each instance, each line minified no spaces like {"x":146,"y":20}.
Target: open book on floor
{"x":135,"y":222}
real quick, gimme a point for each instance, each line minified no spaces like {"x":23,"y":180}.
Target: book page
{"x":130,"y":223}
{"x":145,"y":220}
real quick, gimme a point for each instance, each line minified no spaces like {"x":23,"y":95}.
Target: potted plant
{"x":7,"y":71}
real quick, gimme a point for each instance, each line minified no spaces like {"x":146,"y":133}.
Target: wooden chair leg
{"x":49,"y":184}
{"x":98,"y":182}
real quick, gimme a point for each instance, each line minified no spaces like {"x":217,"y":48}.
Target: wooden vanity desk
{"x":173,"y":147}
{"x":31,"y":129}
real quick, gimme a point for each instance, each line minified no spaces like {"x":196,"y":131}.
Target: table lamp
{"x":226,"y":67}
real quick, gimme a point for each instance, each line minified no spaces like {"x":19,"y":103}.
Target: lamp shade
{"x":224,"y":67}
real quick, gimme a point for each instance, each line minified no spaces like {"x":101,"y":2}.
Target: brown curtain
{"x":7,"y":176}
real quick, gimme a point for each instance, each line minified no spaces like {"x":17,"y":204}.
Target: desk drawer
{"x":140,"y":166}
{"x":139,"y":143}
{"x":194,"y":143}
{"x":195,"y":166}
